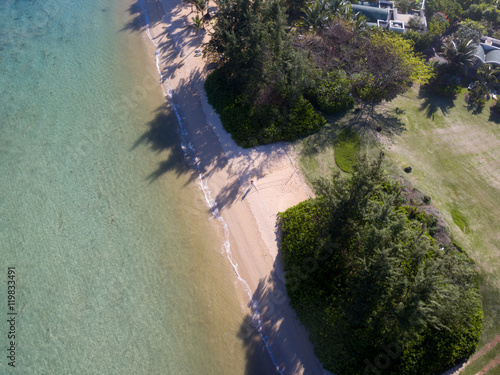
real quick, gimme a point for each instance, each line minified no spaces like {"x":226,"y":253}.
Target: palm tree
{"x":321,"y":12}
{"x":200,"y":5}
{"x":356,"y":20}
{"x":197,"y":24}
{"x":487,"y":73}
{"x":461,"y":55}
{"x":359,"y":21}
{"x":316,"y":15}
{"x":338,"y":7}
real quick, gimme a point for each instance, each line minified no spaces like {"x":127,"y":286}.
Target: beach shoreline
{"x":245,"y":189}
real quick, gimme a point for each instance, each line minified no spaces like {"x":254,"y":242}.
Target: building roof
{"x":480,"y":53}
{"x":493,"y":57}
{"x":372,"y":14}
{"x":488,"y":54}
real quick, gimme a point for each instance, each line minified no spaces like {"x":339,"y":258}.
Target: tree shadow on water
{"x":161,"y":136}
{"x":258,"y":360}
{"x":138,"y":22}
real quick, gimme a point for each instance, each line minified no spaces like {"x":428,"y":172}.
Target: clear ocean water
{"x":118,"y":265}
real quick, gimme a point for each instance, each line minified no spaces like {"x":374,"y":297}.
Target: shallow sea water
{"x":118,"y":264}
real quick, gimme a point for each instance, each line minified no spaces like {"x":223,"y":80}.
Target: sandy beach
{"x":247,"y":187}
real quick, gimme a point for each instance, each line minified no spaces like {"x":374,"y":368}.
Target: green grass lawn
{"x":460,"y":220}
{"x":333,"y":148}
{"x":494,"y":371}
{"x":476,"y":366}
{"x":455,"y":159}
{"x":346,"y":149}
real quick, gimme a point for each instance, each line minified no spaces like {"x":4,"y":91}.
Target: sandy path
{"x":495,"y":362}
{"x":248,"y":210}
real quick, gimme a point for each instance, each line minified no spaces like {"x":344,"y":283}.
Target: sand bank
{"x":248,"y":209}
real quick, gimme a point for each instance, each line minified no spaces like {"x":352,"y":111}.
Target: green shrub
{"x":430,"y":221}
{"x":470,"y":30}
{"x":477,"y":95}
{"x":346,"y":149}
{"x":445,"y":83}
{"x":234,"y":114}
{"x":364,"y":87}
{"x":218,"y":92}
{"x":416,"y":23}
{"x":251,"y":126}
{"x":435,"y":27}
{"x":413,"y":35}
{"x":403,"y":5}
{"x":334,"y":93}
{"x":484,"y":12}
{"x":451,"y":90}
{"x":301,"y":225}
{"x":492,"y":14}
{"x":450,"y":8}
{"x":302,"y":120}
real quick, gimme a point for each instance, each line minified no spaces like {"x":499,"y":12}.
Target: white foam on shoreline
{"x":190,"y":155}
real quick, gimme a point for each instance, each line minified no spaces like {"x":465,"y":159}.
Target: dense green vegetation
{"x":333,"y":93}
{"x":276,"y":78}
{"x":452,"y":37}
{"x":480,"y":17}
{"x":484,"y":11}
{"x":250,"y":126}
{"x":375,"y":289}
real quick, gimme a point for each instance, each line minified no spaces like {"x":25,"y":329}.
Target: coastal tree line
{"x":363,"y":270}
{"x":280,"y":70}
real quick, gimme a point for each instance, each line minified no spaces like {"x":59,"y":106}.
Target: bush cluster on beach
{"x":373,"y":286}
{"x":251,"y":126}
{"x":278,"y":75}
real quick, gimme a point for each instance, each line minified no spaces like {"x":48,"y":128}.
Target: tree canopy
{"x":380,"y":65}
{"x":271,"y":69}
{"x":368,"y":280}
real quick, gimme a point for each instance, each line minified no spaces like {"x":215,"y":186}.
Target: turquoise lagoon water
{"x":118,"y":267}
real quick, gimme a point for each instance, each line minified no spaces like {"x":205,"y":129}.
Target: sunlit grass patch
{"x":346,"y":149}
{"x":460,"y":220}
